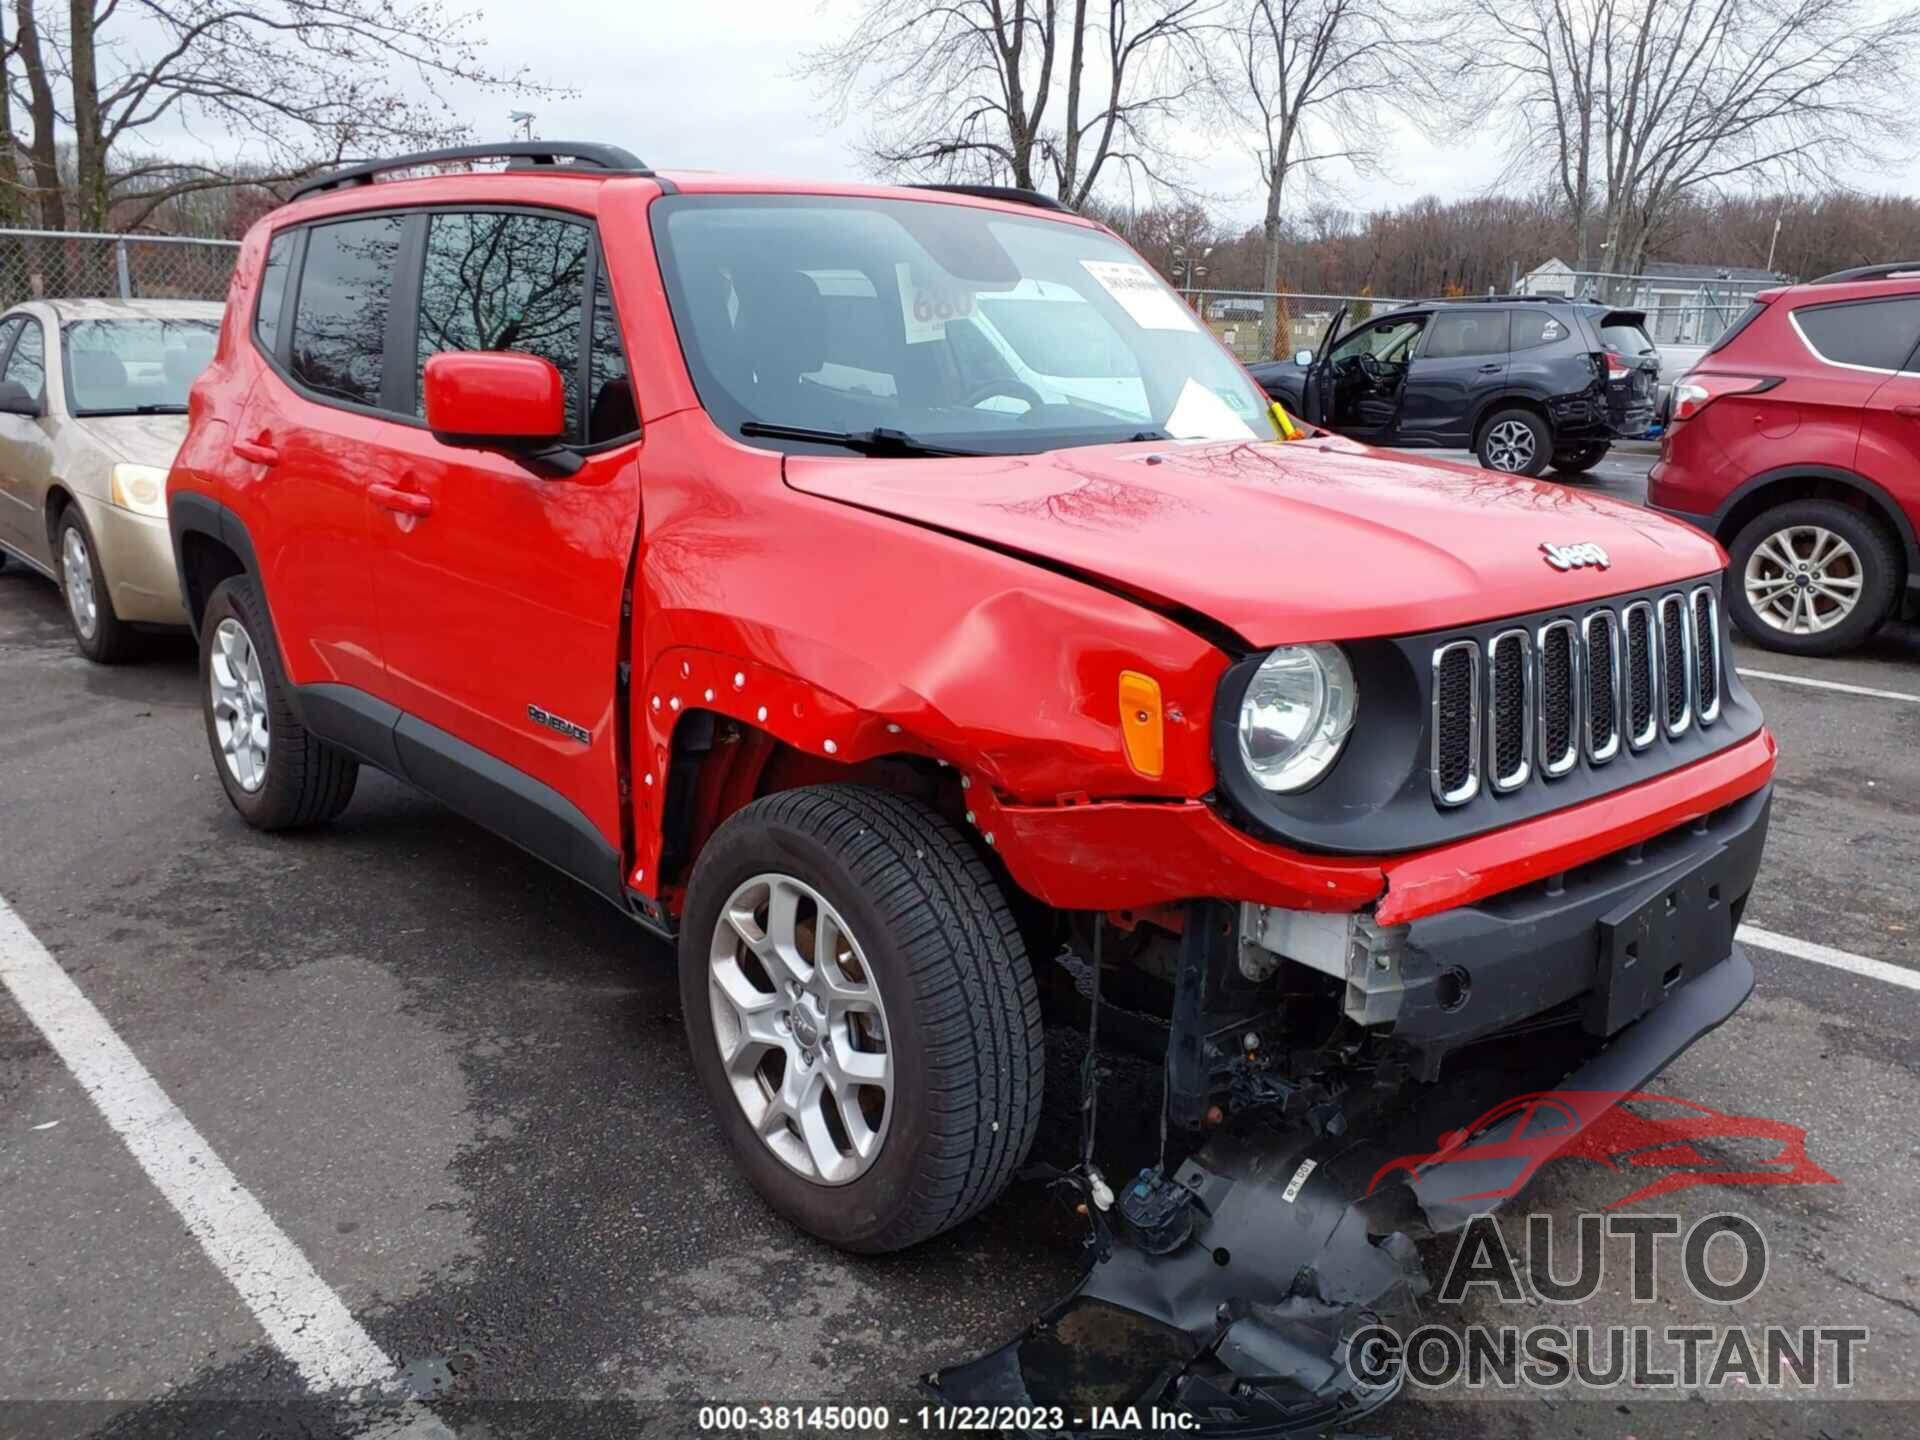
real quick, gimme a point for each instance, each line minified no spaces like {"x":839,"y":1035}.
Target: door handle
{"x":1907,"y":412}
{"x":401,"y":502}
{"x":1491,"y":369}
{"x":258,"y":451}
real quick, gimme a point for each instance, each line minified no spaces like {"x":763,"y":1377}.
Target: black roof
{"x":585,"y":156}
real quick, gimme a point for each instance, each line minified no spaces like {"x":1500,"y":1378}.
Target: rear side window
{"x":1533,"y":328}
{"x":505,"y":281}
{"x":273,"y":289}
{"x":611,"y":408}
{"x":1461,"y":333}
{"x":340,"y":319}
{"x":1873,"y":334}
{"x":1732,"y":332}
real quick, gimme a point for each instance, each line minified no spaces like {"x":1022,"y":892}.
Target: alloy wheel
{"x":801,"y":1027}
{"x":1510,"y":446}
{"x":1803,"y":579}
{"x":76,"y":571}
{"x":239,"y":704}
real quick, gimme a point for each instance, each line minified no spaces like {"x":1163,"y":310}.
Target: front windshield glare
{"x":966,"y":328}
{"x":135,"y":367}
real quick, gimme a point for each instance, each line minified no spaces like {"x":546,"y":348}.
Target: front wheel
{"x":103,"y":637}
{"x":861,"y":1013}
{"x":1812,"y":577}
{"x":1515,"y":442}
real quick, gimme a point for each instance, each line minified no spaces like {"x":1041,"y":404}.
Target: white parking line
{"x":1826,"y":955}
{"x":305,"y":1320}
{"x":1835,"y":685}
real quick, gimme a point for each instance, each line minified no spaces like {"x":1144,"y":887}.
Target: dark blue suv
{"x":1525,"y":382}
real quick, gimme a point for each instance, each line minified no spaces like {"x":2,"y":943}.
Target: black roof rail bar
{"x":1905,"y":269}
{"x":1012,"y":194}
{"x":1497,"y":300}
{"x":520,"y":154}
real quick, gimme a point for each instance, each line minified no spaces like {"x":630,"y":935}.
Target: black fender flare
{"x":193,"y":514}
{"x":1516,"y":398}
{"x":1852,"y":479}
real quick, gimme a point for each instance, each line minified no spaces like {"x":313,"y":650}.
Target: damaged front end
{"x":1311,"y":1062}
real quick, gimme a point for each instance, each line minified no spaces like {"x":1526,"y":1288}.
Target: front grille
{"x":1535,"y":703}
{"x":1676,"y":662}
{"x":1643,"y":674}
{"x":1456,"y":722}
{"x":1706,"y":655}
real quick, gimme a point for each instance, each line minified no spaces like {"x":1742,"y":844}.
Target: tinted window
{"x":1458,"y":333}
{"x":611,"y":411}
{"x":273,"y":286}
{"x":340,"y":321}
{"x":27,"y":366}
{"x":506,"y":282}
{"x":1534,"y":327}
{"x":1879,"y":334}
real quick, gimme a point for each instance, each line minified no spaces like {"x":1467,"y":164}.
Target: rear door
{"x":1889,"y":451}
{"x":501,"y":603}
{"x":26,"y":447}
{"x":1462,"y":359}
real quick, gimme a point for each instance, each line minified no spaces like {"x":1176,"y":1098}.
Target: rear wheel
{"x":1577,"y":461}
{"x":1812,"y":577}
{"x":278,"y":774}
{"x":861,"y":1014}
{"x":1514,"y":442}
{"x":103,"y":637}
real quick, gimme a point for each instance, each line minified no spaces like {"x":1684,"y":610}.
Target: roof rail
{"x":1498,"y":300}
{"x":1903,"y":270}
{"x":520,"y":155}
{"x":1012,"y":194}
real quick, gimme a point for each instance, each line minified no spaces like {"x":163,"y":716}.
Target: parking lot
{"x":458,"y":1085}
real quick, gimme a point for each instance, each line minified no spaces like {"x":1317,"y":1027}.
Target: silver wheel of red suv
{"x":1812,"y":577}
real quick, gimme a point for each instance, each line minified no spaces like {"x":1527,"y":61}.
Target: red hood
{"x":1312,"y":540}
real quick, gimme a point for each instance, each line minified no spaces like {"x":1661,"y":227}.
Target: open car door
{"x":1317,"y":390}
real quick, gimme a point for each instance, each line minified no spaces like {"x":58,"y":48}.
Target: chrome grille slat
{"x":1538,"y":700}
{"x":1557,"y":703}
{"x":1509,"y":710}
{"x":1642,"y":682}
{"x":1600,"y":653}
{"x":1455,"y":773}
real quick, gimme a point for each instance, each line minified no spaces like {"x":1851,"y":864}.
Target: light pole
{"x":1187,"y":259}
{"x":524,"y":119}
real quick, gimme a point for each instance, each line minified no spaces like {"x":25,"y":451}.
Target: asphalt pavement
{"x":445,"y":1092}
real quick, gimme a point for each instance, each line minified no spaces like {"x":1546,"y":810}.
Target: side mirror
{"x":16,"y":399}
{"x":499,"y":400}
{"x":1303,"y":357}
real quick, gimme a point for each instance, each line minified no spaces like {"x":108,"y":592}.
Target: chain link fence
{"x":1680,"y":310}
{"x":59,"y":264}
{"x":1258,"y":326}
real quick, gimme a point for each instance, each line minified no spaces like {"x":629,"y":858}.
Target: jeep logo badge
{"x":1572,"y":557}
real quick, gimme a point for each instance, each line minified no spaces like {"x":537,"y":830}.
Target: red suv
{"x":1795,"y":441}
{"x":881,"y":592}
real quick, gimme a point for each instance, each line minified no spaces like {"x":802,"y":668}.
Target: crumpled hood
{"x":1319,"y":539}
{"x":141,"y":439}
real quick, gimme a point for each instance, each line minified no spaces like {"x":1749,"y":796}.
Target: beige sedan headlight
{"x":141,"y":489}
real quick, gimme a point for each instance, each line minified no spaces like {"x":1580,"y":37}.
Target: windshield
{"x":134,"y":367}
{"x":965,"y":328}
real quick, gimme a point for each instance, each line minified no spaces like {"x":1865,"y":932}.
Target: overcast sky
{"x":712,"y":86}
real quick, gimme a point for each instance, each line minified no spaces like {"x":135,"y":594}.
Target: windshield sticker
{"x":1150,"y":304}
{"x":925,"y":309}
{"x":1200,"y":414}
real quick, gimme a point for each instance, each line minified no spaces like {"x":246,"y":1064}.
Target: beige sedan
{"x":93,"y":406}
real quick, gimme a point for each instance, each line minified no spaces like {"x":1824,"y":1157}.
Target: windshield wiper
{"x":878,"y":441}
{"x":135,"y":410}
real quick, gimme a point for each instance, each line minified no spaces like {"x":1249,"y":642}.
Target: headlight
{"x":1296,"y":715}
{"x":141,"y":489}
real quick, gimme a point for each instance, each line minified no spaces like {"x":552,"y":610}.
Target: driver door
{"x":1317,"y":392}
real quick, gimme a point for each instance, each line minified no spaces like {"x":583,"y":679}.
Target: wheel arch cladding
{"x":1817,"y":482}
{"x":209,"y":545}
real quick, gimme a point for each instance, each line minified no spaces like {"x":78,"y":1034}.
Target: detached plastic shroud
{"x":1232,"y":1290}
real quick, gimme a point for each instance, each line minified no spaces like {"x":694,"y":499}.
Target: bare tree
{"x":1639,"y":105}
{"x":297,"y":83}
{"x":1034,"y":93}
{"x":1309,"y":82}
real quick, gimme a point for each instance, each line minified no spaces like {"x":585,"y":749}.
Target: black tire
{"x":1878,"y":570}
{"x":1577,"y":462}
{"x":1497,"y":441}
{"x":306,"y":781}
{"x":112,"y":640}
{"x":962,"y":1010}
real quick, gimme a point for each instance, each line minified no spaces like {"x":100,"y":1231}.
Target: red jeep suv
{"x":896,"y":598}
{"x":1795,"y":441}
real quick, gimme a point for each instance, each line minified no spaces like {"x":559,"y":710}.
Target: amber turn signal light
{"x":1140,"y":724}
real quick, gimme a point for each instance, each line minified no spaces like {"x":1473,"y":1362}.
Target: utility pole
{"x":1775,"y":241}
{"x":524,"y":119}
